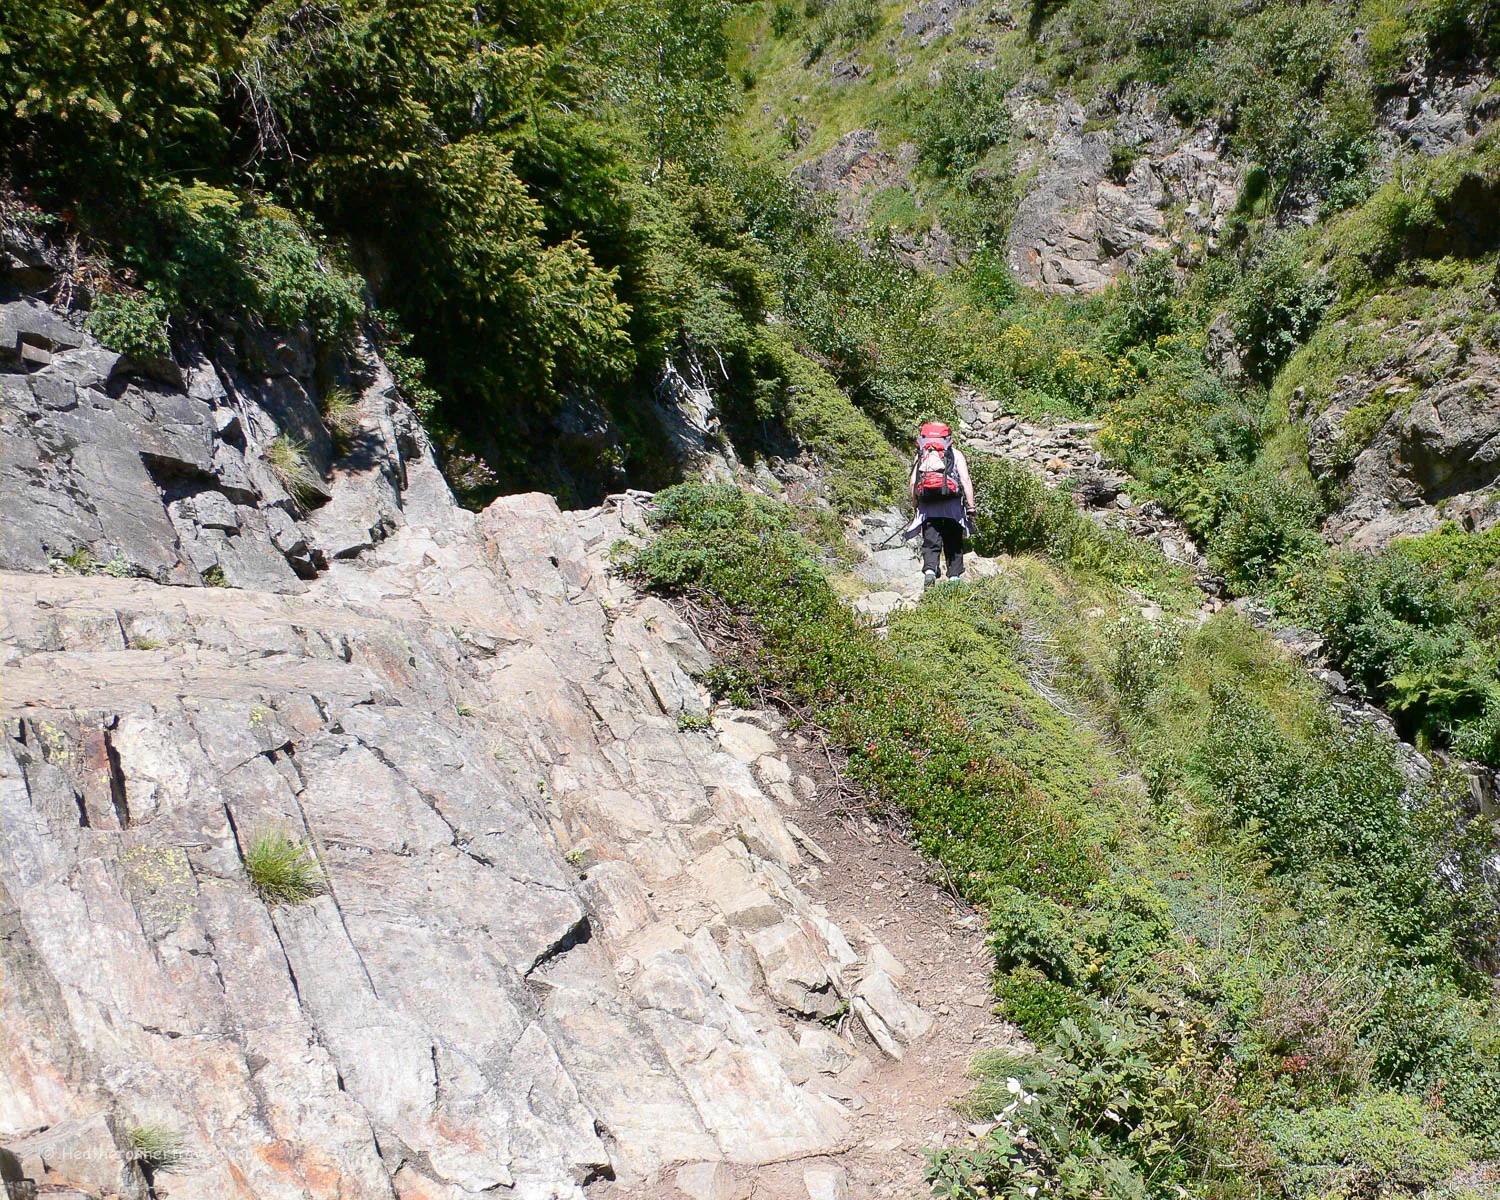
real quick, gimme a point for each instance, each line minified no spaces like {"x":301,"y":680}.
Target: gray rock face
{"x":854,"y":171}
{"x":559,"y":937}
{"x":105,"y":468}
{"x":1413,"y":443}
{"x":1103,"y":196}
{"x":1434,"y":113}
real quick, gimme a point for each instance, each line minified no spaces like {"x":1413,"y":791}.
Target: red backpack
{"x":937,"y":476}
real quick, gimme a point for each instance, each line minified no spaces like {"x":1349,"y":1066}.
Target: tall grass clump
{"x":286,"y":456}
{"x":157,"y":1147}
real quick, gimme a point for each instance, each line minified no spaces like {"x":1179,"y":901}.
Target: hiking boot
{"x":928,"y":579}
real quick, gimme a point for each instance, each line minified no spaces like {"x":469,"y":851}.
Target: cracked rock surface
{"x":560,"y":938}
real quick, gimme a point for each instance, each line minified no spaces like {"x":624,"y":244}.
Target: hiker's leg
{"x":932,"y":547}
{"x":953,"y":547}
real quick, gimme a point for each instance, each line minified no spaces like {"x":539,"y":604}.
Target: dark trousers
{"x":943,"y":536}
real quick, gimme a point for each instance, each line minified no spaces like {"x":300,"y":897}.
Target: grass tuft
{"x":287,"y":458}
{"x":282,"y":870}
{"x":341,"y":415}
{"x":157,"y":1147}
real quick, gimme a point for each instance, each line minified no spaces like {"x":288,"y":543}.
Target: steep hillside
{"x":470,"y":728}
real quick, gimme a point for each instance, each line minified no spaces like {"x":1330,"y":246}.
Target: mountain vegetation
{"x":1255,"y":951}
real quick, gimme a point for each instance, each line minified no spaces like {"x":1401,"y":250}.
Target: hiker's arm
{"x":911,"y":484}
{"x":963,"y":478}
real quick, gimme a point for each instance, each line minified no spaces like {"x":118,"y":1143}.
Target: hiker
{"x":944,"y":497}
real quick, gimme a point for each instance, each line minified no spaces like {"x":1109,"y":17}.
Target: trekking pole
{"x":892,"y":538}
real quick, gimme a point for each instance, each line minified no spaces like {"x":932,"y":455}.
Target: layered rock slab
{"x":524,"y":972}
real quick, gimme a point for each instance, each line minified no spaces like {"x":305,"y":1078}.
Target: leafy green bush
{"x":209,"y":251}
{"x":1036,"y":1003}
{"x":874,"y":323}
{"x":958,"y":122}
{"x":1380,"y":1145}
{"x":1011,"y":503}
{"x":1103,"y":1111}
{"x":1144,"y":654}
{"x":1268,"y":523}
{"x":861,"y":470}
{"x":1275,"y":307}
{"x":1141,"y":305}
{"x":1340,"y":805}
{"x":281,"y":870}
{"x":1409,"y":627}
{"x":133,"y":325}
{"x":1031,"y":931}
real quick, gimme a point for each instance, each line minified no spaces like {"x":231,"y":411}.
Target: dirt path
{"x":876,"y":879}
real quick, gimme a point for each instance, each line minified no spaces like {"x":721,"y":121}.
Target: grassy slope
{"x":1259,"y":878}
{"x":1208,"y":898}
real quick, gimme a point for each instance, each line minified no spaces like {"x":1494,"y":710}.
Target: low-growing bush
{"x":1268,"y":522}
{"x":1011,"y":504}
{"x":1412,"y":628}
{"x":958,"y":122}
{"x":1379,"y":1145}
{"x":134,"y":325}
{"x":1031,"y":931}
{"x":211,"y":252}
{"x":1105,"y":1110}
{"x":1276,"y":306}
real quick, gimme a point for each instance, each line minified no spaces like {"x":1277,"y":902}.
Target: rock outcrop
{"x":182,"y":475}
{"x":854,"y":172}
{"x":1106,"y":186}
{"x":1411,"y":443}
{"x":561,"y":935}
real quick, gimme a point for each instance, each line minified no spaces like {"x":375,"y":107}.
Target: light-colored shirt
{"x":953,"y":507}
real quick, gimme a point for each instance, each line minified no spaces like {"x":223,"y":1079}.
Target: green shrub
{"x":956,"y":123}
{"x":861,"y":470}
{"x":1275,"y":307}
{"x":1376,"y":1146}
{"x":1430,"y":1039}
{"x":1036,"y":1003}
{"x":133,"y":325}
{"x":281,"y":870}
{"x":1268,"y":524}
{"x":1144,"y":654}
{"x":1031,"y":931}
{"x":1407,"y":626}
{"x":1011,"y":503}
{"x":1340,"y":806}
{"x":874,"y":323}
{"x":211,"y":252}
{"x":1141,"y":305}
{"x":1099,"y":1113}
